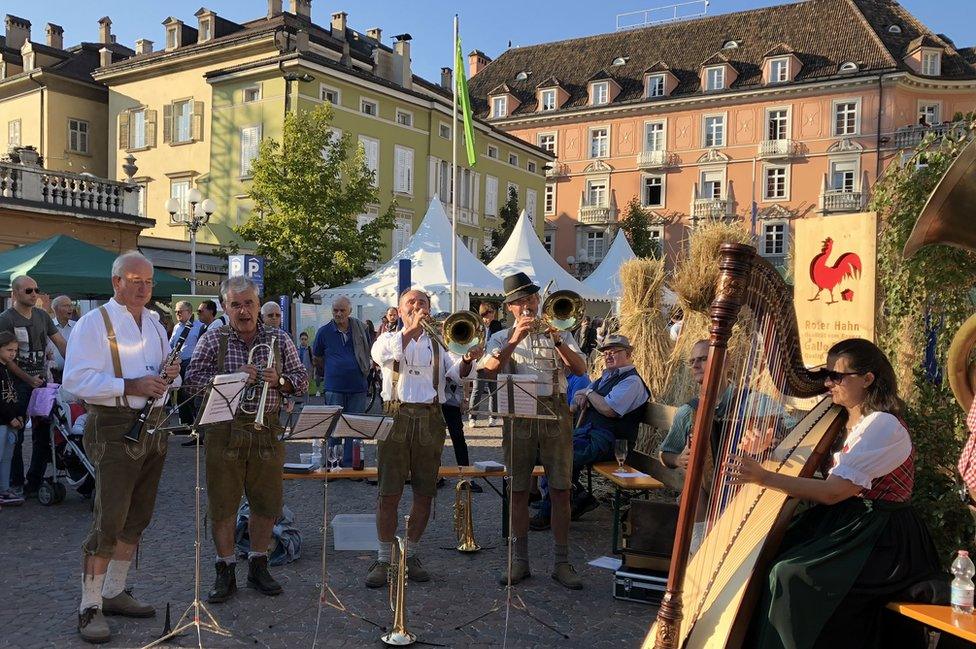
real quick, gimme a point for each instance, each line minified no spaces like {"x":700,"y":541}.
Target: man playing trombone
{"x":415,"y":369}
{"x":246,"y":454}
{"x":530,"y":347}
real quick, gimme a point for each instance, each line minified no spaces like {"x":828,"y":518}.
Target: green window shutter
{"x":196,"y":127}
{"x":167,"y":123}
{"x":150,"y":127}
{"x":124,"y":129}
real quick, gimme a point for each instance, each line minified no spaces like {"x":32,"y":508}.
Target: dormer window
{"x":620,"y":60}
{"x":172,"y":37}
{"x":894,"y":29}
{"x":848,"y":66}
{"x":655,"y":85}
{"x":600,"y":93}
{"x":499,"y":106}
{"x":206,"y":30}
{"x":547,"y":99}
{"x":715,"y":78}
{"x":522,"y":76}
{"x":931,"y":63}
{"x":730,"y":45}
{"x":779,"y":70}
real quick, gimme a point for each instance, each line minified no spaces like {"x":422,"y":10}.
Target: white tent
{"x":429,"y":252}
{"x":605,"y":279}
{"x":524,"y":252}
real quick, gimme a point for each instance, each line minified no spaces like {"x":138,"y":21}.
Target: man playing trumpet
{"x":415,"y":370}
{"x":243,"y":456}
{"x":523,"y":350}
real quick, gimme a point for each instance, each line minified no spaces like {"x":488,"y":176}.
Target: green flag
{"x":464,"y":102}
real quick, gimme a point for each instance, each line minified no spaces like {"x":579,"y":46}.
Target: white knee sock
{"x":384,"y":551}
{"x":230,"y":561}
{"x":115,"y":577}
{"x":91,"y":591}
{"x":412,"y":547}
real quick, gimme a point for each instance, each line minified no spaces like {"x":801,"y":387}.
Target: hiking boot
{"x":566,"y":575}
{"x":126,"y":605}
{"x":378,"y":574}
{"x":225,"y":585}
{"x":416,"y":570}
{"x":259,"y":578}
{"x":92,"y":626}
{"x":520,"y":571}
{"x":539,"y":523}
{"x":585,"y":503}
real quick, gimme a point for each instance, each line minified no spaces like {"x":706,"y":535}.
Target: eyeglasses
{"x":32,"y":291}
{"x":148,"y":283}
{"x":696,"y":359}
{"x":837,"y":377}
{"x":612,"y":351}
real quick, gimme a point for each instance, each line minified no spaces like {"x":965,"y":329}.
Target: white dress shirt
{"x":877,"y":445}
{"x":416,"y":383}
{"x":88,"y":370}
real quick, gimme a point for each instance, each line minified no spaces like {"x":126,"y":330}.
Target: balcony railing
{"x":839,"y":200}
{"x":909,"y":137}
{"x":465,"y":215}
{"x":595,"y":214}
{"x":67,"y":191}
{"x":557,"y":170}
{"x":652,"y":159}
{"x":772,"y":149}
{"x":711,"y":208}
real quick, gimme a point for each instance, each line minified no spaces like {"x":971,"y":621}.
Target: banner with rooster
{"x":834,"y":270}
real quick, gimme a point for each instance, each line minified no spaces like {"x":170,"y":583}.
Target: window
{"x":931,"y":63}
{"x":715,"y":78}
{"x":491,"y":196}
{"x":513,"y":159}
{"x":778,"y":124}
{"x":547,"y":141}
{"x":620,"y":60}
{"x":206,"y":31}
{"x":549,"y":242}
{"x":596,"y":193}
{"x":371,"y":151}
{"x":499,"y":106}
{"x":779,"y":70}
{"x":774,"y":239}
{"x":842,"y":176}
{"x":848,"y":66}
{"x":599,"y":142}
{"x":845,"y":118}
{"x":600,"y":93}
{"x":894,"y":29}
{"x":531,"y":201}
{"x":401,"y":234}
{"x":493,"y":152}
{"x":370,"y":215}
{"x":530,"y":167}
{"x":522,"y":76}
{"x":172,"y":40}
{"x":655,"y":85}
{"x":594,"y":246}
{"x":656,"y":233}
{"x":547,"y":100}
{"x":13,"y":133}
{"x":509,"y":189}
{"x":250,"y":143}
{"x":182,"y":121}
{"x":328,"y":94}
{"x":654,"y":136}
{"x":775,"y":185}
{"x":77,"y":135}
{"x":929,"y":113}
{"x":714,"y":131}
{"x":403,"y":170}
{"x":369,"y":107}
{"x":444,"y":130}
{"x":404,"y":118}
{"x":711,"y":182}
{"x":730,"y":45}
{"x":178,"y":190}
{"x":252,"y":94}
{"x":652,"y":191}
{"x":137,"y":129}
{"x":143,"y":197}
{"x":549,"y":204}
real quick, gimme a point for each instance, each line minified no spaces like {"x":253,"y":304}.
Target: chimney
{"x":105,"y":31}
{"x":302,"y":8}
{"x":301,"y":41}
{"x":17,"y":31}
{"x":339,"y":25}
{"x":375,"y":33}
{"x":104,"y":57}
{"x":144,"y":46}
{"x":55,"y":36}
{"x":274,"y":8}
{"x":477,"y":60}
{"x":401,"y":61}
{"x":446,"y":78}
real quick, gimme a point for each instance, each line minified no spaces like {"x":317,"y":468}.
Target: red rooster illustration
{"x":848,"y":265}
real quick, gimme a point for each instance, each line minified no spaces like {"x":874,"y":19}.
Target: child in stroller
{"x":71,"y":466}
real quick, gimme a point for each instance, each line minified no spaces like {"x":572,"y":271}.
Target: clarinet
{"x":135,"y":433}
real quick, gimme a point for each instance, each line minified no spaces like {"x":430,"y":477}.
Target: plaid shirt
{"x":203,"y":365}
{"x":967,"y":461}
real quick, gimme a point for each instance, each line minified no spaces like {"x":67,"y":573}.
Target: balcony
{"x":67,"y":192}
{"x":778,"y":149}
{"x":465,"y":215}
{"x":557,"y":170}
{"x":596,"y":214}
{"x":711,"y":208}
{"x":652,"y":159}
{"x":909,"y":137}
{"x":839,"y":200}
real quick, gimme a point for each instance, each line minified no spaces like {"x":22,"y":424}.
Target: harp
{"x":712,"y":591}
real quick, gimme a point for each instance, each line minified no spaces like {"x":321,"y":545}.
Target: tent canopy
{"x":65,"y":265}
{"x":524,"y":252}
{"x":605,"y":278}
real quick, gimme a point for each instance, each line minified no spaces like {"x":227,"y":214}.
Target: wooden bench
{"x":640,"y":484}
{"x":942,"y":618}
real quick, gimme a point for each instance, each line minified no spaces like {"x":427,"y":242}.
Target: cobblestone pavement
{"x":40,"y":556}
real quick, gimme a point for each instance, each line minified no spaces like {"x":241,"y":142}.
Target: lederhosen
{"x":242,"y":460}
{"x":415,"y":443}
{"x":126,"y":473}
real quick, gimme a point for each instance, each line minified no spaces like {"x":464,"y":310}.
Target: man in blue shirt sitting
{"x":341,"y":350}
{"x":611,"y":408}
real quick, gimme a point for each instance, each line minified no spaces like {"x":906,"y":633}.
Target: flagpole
{"x":454,"y":177}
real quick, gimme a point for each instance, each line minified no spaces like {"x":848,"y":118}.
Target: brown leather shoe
{"x":92,"y":626}
{"x":378,"y":575}
{"x":127,"y":605}
{"x":260,"y":579}
{"x":566,"y":575}
{"x":520,"y":571}
{"x":416,"y":570}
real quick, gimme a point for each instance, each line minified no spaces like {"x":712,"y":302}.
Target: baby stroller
{"x":72,"y":468}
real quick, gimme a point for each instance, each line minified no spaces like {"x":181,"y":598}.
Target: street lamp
{"x":199,"y":213}
{"x":581,"y":266}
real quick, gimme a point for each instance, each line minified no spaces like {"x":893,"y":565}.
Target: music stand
{"x":221,"y":398}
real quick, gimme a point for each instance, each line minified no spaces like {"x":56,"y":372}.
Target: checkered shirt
{"x":967,"y":461}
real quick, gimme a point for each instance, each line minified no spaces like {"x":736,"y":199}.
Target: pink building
{"x":767,"y":115}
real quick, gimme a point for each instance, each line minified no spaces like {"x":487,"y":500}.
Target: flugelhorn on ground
{"x":399,"y":635}
{"x":463,"y":518}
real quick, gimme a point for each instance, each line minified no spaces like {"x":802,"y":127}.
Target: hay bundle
{"x":642,"y":320}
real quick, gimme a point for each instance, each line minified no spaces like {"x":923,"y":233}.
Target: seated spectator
{"x":611,"y":408}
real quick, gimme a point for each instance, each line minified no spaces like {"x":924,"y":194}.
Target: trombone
{"x":251,"y":391}
{"x":462,"y":331}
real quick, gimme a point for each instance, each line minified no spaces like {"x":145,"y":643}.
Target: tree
{"x":636,"y":225}
{"x":307,"y":192}
{"x":508,"y":215}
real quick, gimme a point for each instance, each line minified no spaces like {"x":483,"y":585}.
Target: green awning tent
{"x":65,"y":265}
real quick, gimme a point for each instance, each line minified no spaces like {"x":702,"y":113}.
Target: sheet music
{"x":524,"y":394}
{"x":314,"y":422}
{"x":363,"y":426}
{"x":223,"y":398}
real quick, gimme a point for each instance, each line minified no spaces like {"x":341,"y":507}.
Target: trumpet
{"x":463,"y":523}
{"x":251,"y":391}
{"x":561,"y":310}
{"x":462,"y":331}
{"x":399,"y":635}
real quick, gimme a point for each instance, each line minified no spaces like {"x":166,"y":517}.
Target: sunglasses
{"x":837,"y":377}
{"x":32,"y":291}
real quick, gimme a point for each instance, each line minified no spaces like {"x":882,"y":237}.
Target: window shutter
{"x":124,"y":129}
{"x":432,"y":178}
{"x":408,"y":170}
{"x":150,"y":127}
{"x":167,"y":123}
{"x":196,"y":128}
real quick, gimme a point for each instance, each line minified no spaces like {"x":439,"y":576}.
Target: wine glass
{"x":335,"y":457}
{"x":620,"y":452}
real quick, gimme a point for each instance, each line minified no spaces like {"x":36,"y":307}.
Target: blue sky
{"x":487,"y":26}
